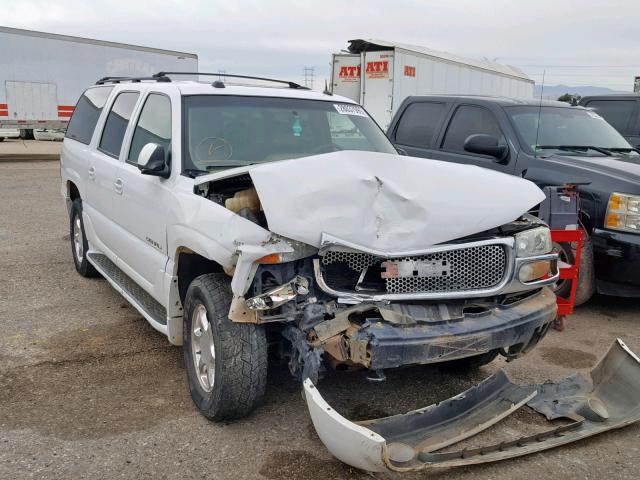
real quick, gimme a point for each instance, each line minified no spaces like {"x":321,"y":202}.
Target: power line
{"x":309,"y":73}
{"x":578,"y":66}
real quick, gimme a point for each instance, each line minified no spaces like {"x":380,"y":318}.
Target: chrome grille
{"x":471,"y":268}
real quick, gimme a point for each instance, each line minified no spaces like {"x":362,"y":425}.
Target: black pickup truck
{"x":549,"y":143}
{"x":622,"y":111}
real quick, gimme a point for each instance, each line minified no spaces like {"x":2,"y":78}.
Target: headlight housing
{"x":623,"y":212}
{"x":299,"y":250}
{"x":536,"y":241}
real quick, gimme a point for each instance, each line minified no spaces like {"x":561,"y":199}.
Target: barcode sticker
{"x":349,"y":109}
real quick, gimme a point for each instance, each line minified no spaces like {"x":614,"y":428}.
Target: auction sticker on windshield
{"x":349,"y":109}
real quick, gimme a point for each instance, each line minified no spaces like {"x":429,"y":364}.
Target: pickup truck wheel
{"x":79,"y":245}
{"x":471,"y":363}
{"x":226,"y":362}
{"x":586,"y":276}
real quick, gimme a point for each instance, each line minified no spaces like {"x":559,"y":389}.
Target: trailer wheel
{"x":79,"y":244}
{"x":26,"y":134}
{"x":226,"y":362}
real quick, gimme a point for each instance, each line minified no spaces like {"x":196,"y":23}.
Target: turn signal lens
{"x":623,"y":212}
{"x":530,"y":272}
{"x":270,"y":259}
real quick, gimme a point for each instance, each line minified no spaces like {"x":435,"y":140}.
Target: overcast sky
{"x":583,"y":42}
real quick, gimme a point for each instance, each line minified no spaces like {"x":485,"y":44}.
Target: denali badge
{"x":416,"y":268}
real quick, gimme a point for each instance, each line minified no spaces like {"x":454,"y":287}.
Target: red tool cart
{"x":568,"y":272}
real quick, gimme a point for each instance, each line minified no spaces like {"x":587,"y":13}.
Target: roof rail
{"x":285,"y":82}
{"x":154,"y":78}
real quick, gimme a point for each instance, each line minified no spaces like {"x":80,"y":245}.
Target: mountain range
{"x":552,"y":92}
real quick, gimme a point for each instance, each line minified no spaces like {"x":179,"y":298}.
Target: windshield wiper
{"x":194,"y":172}
{"x":211,"y":166}
{"x":574,"y":148}
{"x":623,"y":149}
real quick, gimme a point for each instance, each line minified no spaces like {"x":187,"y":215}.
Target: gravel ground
{"x":89,"y":390}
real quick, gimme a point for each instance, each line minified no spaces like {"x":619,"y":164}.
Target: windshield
{"x":569,"y":130}
{"x":223,"y":131}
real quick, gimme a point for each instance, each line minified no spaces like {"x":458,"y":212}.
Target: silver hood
{"x":384,"y":201}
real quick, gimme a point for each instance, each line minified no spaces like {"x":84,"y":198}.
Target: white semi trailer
{"x":42,"y":75}
{"x":380,"y":75}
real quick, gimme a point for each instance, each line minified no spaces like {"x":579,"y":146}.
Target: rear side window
{"x":154,"y":126}
{"x":617,"y":112}
{"x":86,"y":114}
{"x":470,"y":120}
{"x":116,"y":124}
{"x":418,"y":124}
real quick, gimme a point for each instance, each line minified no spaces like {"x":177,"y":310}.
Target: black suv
{"x":621,"y":111}
{"x":549,"y":143}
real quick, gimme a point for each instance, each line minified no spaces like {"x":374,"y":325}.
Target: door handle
{"x":118,"y":186}
{"x":92,"y":173}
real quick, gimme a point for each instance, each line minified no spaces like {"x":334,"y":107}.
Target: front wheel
{"x":586,"y":275}
{"x":226,"y":362}
{"x":79,"y":244}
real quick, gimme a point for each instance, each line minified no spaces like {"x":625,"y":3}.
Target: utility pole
{"x":309,"y":73}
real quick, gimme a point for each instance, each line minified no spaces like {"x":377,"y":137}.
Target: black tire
{"x":586,"y":277}
{"x":1,"y":139}
{"x":240,"y":353}
{"x":26,"y":134}
{"x":472,"y":363}
{"x":83,"y":267}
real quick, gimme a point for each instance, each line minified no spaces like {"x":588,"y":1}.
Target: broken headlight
{"x":536,"y":241}
{"x":299,"y":250}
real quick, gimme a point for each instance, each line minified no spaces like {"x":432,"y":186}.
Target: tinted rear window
{"x":117,"y":121}
{"x":86,"y":114}
{"x":419,"y":123}
{"x":617,"y":112}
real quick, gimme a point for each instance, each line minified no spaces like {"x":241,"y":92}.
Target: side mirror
{"x":153,"y":160}
{"x":486,"y":145}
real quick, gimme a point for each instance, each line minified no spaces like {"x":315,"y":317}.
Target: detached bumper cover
{"x":607,"y":399}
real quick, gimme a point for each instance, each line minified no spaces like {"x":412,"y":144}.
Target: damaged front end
{"x":607,"y":399}
{"x":411,"y":279}
{"x":359,"y":308}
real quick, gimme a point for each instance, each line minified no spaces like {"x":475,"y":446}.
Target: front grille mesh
{"x":470,"y":268}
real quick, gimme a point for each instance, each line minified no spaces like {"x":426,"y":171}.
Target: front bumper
{"x":607,"y":399}
{"x":515,"y":328}
{"x":617,"y":262}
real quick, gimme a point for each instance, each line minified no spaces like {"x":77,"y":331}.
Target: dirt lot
{"x":89,"y":390}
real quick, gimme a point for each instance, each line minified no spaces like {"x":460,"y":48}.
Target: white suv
{"x":241,"y":217}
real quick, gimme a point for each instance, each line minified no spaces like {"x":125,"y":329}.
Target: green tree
{"x":565,"y":98}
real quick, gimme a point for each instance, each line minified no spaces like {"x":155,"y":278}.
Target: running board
{"x":148,"y":306}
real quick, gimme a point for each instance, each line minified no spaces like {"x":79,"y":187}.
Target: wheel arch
{"x":189,"y":264}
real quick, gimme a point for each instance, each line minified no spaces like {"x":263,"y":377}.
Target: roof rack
{"x":154,"y":78}
{"x":228,"y":75}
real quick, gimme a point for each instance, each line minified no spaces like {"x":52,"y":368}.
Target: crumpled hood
{"x":383,"y":201}
{"x":387,"y":202}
